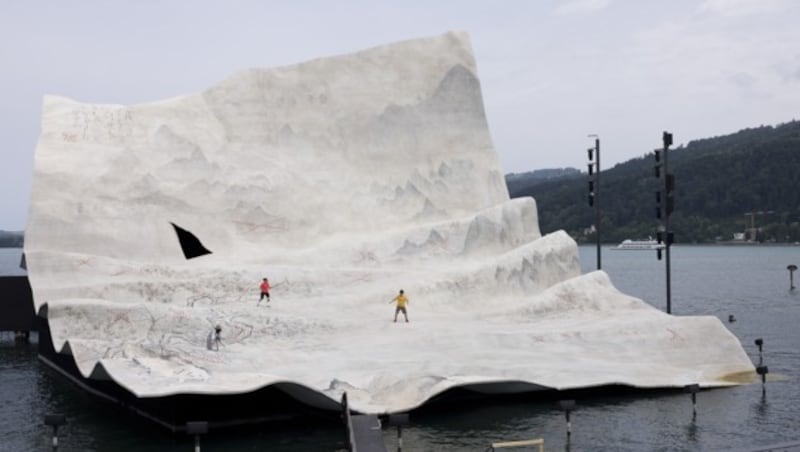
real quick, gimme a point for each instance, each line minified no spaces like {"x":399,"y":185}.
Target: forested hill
{"x":722,"y":184}
{"x":519,"y":181}
{"x":11,"y":239}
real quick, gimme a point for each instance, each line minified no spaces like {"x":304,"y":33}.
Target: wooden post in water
{"x":791,"y":269}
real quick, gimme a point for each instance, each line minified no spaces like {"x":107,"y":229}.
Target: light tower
{"x":594,"y":189}
{"x":665,"y":204}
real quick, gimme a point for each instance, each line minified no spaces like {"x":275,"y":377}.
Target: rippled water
{"x":750,"y":282}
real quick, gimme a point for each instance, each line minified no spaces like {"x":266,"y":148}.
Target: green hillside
{"x":722,"y":185}
{"x":11,"y":239}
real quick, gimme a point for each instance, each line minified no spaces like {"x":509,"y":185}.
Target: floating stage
{"x":342,"y":180}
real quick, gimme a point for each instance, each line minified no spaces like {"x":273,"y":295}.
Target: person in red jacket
{"x":264,"y":291}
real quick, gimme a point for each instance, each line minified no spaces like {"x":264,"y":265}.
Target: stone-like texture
{"x":343,"y":180}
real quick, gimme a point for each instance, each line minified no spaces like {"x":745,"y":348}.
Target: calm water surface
{"x":750,"y":282}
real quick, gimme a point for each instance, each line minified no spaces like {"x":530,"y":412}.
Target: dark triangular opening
{"x":190,"y":244}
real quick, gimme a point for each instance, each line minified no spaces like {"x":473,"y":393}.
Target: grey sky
{"x":551,"y":71}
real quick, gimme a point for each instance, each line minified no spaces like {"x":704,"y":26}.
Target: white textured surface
{"x":343,"y":180}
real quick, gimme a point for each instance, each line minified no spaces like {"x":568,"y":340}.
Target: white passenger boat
{"x":649,"y":244}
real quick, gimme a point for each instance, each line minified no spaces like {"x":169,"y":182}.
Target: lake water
{"x":750,"y":282}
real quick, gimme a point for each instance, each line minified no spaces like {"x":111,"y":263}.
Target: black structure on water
{"x":16,"y":305}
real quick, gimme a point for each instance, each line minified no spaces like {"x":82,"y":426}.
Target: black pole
{"x":567,"y":406}
{"x":55,"y":420}
{"x":763,"y":371}
{"x":760,"y":343}
{"x":597,"y":199}
{"x":667,"y":138}
{"x":398,"y":419}
{"x":55,"y":437}
{"x":197,"y":428}
{"x":399,"y":438}
{"x":693,"y":390}
{"x":594,"y":190}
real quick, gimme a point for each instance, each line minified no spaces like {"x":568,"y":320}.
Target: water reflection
{"x":692,"y":430}
{"x":762,"y":407}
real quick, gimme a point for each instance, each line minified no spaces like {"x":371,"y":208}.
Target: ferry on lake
{"x":648,"y":244}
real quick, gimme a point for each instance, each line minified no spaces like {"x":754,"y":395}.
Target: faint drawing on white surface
{"x":345,"y":179}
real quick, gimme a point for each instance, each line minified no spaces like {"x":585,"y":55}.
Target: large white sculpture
{"x":342,"y":180}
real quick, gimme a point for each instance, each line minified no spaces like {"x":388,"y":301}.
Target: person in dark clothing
{"x":214,"y":338}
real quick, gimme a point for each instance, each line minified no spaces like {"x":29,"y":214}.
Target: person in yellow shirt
{"x":402,"y":301}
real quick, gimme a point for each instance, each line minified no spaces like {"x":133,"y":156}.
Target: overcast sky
{"x":552,"y":72}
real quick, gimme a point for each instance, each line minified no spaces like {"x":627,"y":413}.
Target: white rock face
{"x":342,"y":180}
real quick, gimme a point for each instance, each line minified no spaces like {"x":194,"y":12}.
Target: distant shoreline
{"x":12,"y":239}
{"x":734,"y":244}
